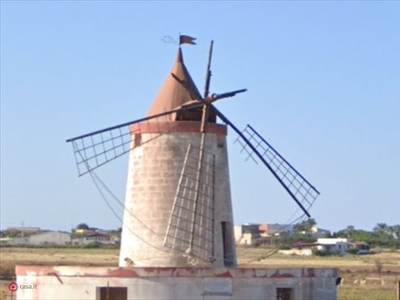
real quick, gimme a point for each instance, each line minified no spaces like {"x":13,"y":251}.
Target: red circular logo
{"x":13,"y":286}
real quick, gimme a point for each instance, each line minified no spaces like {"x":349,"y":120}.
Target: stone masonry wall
{"x":153,"y":175}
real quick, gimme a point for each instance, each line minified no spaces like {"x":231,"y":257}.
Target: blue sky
{"x":323,"y":83}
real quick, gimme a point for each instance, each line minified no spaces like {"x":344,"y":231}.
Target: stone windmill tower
{"x":161,"y":186}
{"x":178,"y":209}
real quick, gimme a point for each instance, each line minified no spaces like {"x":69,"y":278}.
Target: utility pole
{"x":398,"y":290}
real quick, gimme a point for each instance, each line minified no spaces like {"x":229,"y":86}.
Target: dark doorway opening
{"x":284,"y":294}
{"x":226,"y":230}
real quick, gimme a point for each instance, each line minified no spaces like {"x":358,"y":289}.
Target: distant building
{"x":99,"y":237}
{"x":334,"y":245}
{"x":16,"y":241}
{"x":45,"y":238}
{"x":94,"y":237}
{"x":276,"y":229}
{"x":81,"y":231}
{"x":86,"y":231}
{"x":5,"y":241}
{"x":22,"y":230}
{"x":50,"y":238}
{"x":247,"y":234}
{"x":363,"y":248}
{"x":59,"y":238}
{"x":260,"y":234}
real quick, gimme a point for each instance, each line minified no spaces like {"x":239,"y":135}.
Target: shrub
{"x":93,"y":245}
{"x":285,"y":247}
{"x":318,"y":252}
{"x":352,"y":251}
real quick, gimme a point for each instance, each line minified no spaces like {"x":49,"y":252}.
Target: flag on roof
{"x":185,"y":39}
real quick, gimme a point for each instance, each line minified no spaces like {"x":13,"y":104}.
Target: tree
{"x":396,"y":232}
{"x":300,"y":227}
{"x":305,"y":226}
{"x":350,"y":231}
{"x":311,"y":223}
{"x":82,"y":226}
{"x":380,"y":227}
{"x":382,"y":235}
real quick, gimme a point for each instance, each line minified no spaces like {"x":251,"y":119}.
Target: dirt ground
{"x":364,"y":277}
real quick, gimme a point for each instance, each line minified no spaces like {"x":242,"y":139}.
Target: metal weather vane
{"x":169,"y":40}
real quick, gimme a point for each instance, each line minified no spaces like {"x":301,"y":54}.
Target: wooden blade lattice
{"x":189,"y":217}
{"x":94,"y":150}
{"x":290,"y":178}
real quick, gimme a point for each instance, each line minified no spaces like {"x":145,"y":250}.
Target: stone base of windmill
{"x":113,"y":283}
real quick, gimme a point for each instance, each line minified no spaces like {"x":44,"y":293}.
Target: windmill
{"x":178,"y":209}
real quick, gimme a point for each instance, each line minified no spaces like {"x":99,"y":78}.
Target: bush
{"x":93,"y":245}
{"x":285,"y":247}
{"x":318,"y":252}
{"x":352,"y":251}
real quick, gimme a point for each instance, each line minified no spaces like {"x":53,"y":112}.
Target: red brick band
{"x":178,"y":126}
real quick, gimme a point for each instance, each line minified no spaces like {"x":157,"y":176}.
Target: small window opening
{"x":112,"y":293}
{"x":138,"y":140}
{"x":220,"y":141}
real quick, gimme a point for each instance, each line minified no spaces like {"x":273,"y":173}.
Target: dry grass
{"x":361,"y":277}
{"x":59,"y":256}
{"x":368,"y":277}
{"x":10,"y":257}
{"x":262,"y":257}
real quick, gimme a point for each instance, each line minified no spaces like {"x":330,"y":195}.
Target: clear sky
{"x":323,"y":83}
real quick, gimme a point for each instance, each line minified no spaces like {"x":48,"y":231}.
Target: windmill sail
{"x":191,"y":225}
{"x":289,"y":176}
{"x":301,"y":191}
{"x":97,"y":148}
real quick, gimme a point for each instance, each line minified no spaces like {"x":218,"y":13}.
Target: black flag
{"x":185,"y":39}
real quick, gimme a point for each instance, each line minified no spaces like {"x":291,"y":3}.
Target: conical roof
{"x":173,"y":94}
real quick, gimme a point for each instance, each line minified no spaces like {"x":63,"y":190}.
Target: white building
{"x":50,"y":238}
{"x":334,"y":245}
{"x":45,"y":238}
{"x":14,"y":241}
{"x":94,"y":237}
